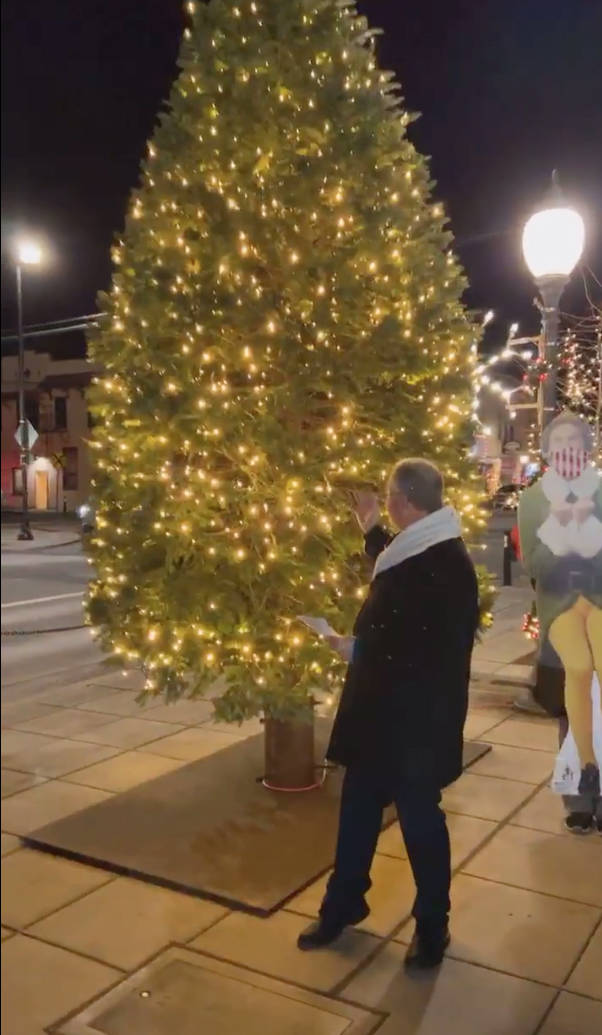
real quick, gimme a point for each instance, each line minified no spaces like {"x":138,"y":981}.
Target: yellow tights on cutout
{"x":576,"y":636}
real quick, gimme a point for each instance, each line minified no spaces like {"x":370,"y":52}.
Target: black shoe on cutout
{"x":590,"y":780}
{"x":579,"y":822}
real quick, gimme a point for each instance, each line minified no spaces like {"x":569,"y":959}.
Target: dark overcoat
{"x":405,"y":697}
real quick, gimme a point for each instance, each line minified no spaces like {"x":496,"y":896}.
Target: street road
{"x":43,"y":588}
{"x":42,"y":572}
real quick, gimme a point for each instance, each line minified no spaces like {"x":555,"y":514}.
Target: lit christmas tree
{"x":284,"y":324}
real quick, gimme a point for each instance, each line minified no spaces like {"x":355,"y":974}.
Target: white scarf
{"x":556,"y":489}
{"x":583,"y":539}
{"x":435,"y":528}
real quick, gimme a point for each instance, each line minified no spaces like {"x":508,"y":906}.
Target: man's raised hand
{"x":367,"y":509}
{"x":343,"y":645}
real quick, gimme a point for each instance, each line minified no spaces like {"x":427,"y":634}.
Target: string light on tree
{"x":284,"y":323}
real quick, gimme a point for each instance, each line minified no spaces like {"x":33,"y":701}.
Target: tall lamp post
{"x":28,"y":254}
{"x":553,"y":240}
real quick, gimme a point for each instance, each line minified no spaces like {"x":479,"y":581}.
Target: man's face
{"x":398,"y":507}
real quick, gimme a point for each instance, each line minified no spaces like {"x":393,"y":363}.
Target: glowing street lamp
{"x":553,"y":240}
{"x":28,"y":253}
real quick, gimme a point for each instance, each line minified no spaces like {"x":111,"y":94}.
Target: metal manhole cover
{"x":188,"y":993}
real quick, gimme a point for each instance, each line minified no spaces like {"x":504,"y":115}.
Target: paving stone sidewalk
{"x":526,"y":955}
{"x":500,"y":656}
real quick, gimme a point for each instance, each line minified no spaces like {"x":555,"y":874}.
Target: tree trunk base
{"x":289,"y":755}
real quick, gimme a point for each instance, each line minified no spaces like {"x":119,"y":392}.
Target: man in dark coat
{"x":399,"y":726}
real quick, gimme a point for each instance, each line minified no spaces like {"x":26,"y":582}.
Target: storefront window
{"x":32,"y":411}
{"x":60,"y":413}
{"x":17,"y":481}
{"x":70,"y":480}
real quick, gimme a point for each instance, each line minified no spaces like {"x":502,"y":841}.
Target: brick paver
{"x":526,"y":952}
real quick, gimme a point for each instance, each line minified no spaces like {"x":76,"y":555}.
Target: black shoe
{"x":427,"y":951}
{"x":590,"y":780}
{"x":325,"y":931}
{"x":579,"y":822}
{"x":598,"y":824}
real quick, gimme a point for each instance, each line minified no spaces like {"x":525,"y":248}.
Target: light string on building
{"x":579,"y":365}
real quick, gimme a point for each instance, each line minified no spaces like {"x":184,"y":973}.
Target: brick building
{"x":58,"y":476}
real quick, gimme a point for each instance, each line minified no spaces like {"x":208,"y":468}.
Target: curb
{"x":40,"y":632}
{"x":6,"y":548}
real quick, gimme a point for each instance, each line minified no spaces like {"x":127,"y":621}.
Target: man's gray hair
{"x":420,"y":482}
{"x":574,"y":421}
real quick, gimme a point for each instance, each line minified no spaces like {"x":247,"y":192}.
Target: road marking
{"x":42,"y":600}
{"x":16,"y":558}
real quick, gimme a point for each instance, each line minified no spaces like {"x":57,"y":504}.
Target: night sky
{"x":508,"y":90}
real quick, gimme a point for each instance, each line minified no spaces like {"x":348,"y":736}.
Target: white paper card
{"x":567,"y":771}
{"x":318,"y":625}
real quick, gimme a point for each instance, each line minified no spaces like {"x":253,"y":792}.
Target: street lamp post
{"x":28,"y":254}
{"x":553,"y":240}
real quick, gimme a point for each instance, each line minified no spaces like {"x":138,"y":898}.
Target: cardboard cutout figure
{"x":560,"y":525}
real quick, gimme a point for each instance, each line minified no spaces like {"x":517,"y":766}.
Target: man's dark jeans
{"x":427,"y":842}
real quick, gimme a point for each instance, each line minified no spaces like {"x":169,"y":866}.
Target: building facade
{"x":58,"y":474}
{"x":504,"y":449}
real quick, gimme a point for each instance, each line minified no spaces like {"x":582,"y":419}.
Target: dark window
{"x":17,"y":481}
{"x":70,"y":481}
{"x":32,"y":411}
{"x":60,"y":413}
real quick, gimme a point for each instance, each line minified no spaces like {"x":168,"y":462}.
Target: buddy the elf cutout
{"x":560,"y":525}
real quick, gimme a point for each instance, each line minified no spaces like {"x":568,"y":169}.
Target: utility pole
{"x":28,"y":254}
{"x":553,"y":240}
{"x":25,"y":531}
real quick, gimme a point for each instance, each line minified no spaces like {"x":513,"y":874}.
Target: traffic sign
{"x":58,"y":459}
{"x":32,"y":435}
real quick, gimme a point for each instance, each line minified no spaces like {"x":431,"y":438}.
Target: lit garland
{"x":579,"y":364}
{"x":581,"y":371}
{"x":530,"y":625}
{"x":518,"y":352}
{"x":284,"y":324}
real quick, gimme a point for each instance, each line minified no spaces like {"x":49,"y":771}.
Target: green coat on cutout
{"x":550,"y":570}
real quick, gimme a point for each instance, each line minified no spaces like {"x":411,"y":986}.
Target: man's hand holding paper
{"x":343,"y":645}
